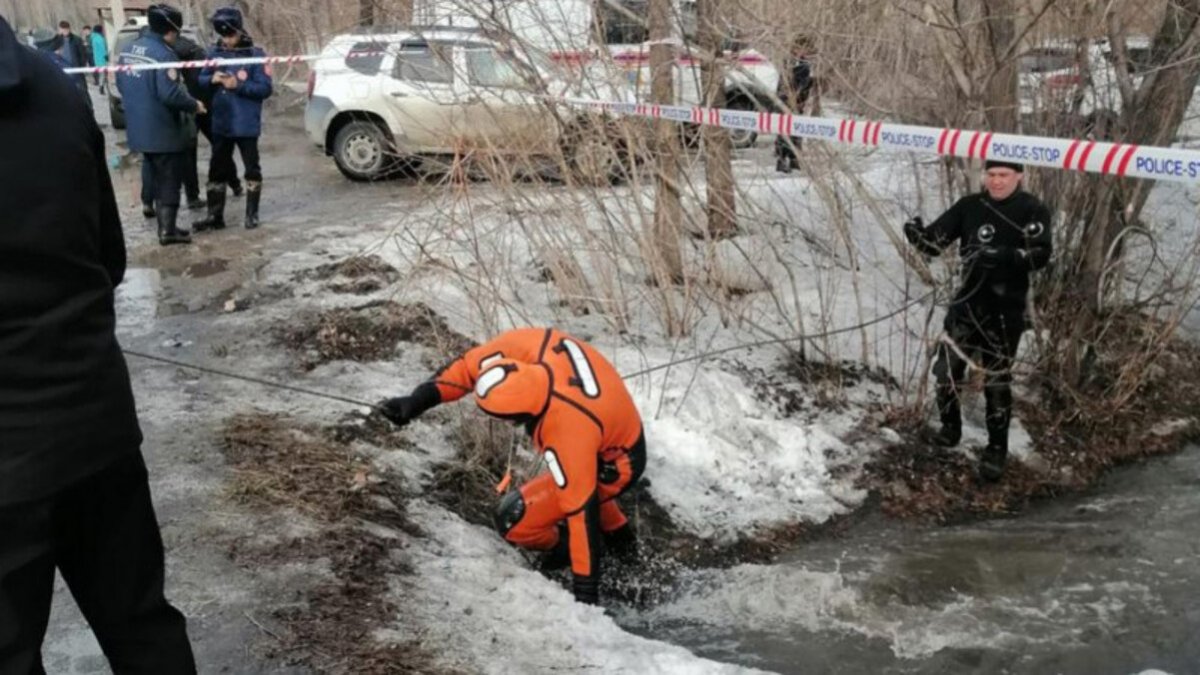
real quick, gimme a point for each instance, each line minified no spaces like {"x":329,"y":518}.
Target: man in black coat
{"x":71,"y":48}
{"x":794,"y":89}
{"x":1003,"y":235}
{"x":74,"y":494}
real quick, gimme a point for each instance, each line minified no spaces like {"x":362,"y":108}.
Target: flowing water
{"x":1108,"y":582}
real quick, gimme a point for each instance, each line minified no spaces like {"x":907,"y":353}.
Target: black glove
{"x":404,"y":409}
{"x":1000,"y":256}
{"x":587,"y":590}
{"x":400,"y":410}
{"x":914,"y":230}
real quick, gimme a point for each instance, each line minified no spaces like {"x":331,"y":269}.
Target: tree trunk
{"x":718,"y":150}
{"x":1104,"y":206}
{"x":668,"y":211}
{"x":404,"y":12}
{"x":1000,"y":94}
{"x":366,"y":12}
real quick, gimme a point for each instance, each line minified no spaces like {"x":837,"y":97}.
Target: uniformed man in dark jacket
{"x":794,"y":89}
{"x":1003,"y":235}
{"x":158,"y":115}
{"x":73,"y":488}
{"x":239,"y":92}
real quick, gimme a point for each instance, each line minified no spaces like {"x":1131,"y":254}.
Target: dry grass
{"x":358,"y":275}
{"x":369,"y":332}
{"x":278,"y":462}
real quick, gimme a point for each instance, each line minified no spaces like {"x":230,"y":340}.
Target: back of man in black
{"x":74,"y":494}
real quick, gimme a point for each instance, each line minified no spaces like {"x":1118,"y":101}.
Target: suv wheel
{"x":742,"y":138}
{"x":363,"y":152}
{"x":595,"y":153}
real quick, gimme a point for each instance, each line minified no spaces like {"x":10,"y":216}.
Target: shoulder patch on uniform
{"x":243,"y":75}
{"x":172,"y":73}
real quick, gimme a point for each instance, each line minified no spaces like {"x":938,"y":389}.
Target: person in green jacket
{"x":99,"y":53}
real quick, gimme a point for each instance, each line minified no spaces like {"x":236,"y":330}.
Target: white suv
{"x":377,"y":102}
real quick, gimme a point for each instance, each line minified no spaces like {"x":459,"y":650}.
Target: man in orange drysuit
{"x":581,"y":418}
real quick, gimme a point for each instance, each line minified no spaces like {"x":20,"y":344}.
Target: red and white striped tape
{"x":215,"y":63}
{"x":1112,"y":159}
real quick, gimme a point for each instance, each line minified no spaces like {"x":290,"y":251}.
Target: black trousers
{"x":204,"y":125}
{"x":991,"y":337}
{"x":102,"y":535}
{"x":783,"y":148}
{"x":191,"y":177}
{"x":166,"y":174}
{"x":223,"y":170}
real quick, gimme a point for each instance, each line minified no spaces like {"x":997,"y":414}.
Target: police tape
{"x":217,"y":63}
{"x":1112,"y":159}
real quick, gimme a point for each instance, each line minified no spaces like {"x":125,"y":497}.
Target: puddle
{"x":205,"y":268}
{"x":137,"y":301}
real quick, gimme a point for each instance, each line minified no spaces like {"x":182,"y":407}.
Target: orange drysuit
{"x":584,"y":422}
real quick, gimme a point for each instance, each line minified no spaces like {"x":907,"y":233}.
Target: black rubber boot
{"x":991,"y":463}
{"x":147,"y":210}
{"x":235,"y":186}
{"x":168,"y":232}
{"x":950,"y":412}
{"x":998,"y":396}
{"x":216,"y":210}
{"x":253,"y":194}
{"x":196,"y":204}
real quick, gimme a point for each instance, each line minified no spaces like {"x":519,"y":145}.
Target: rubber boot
{"x":998,"y":396}
{"x":235,"y":186}
{"x":991,"y":463}
{"x":253,"y":194}
{"x":168,"y":232}
{"x":196,"y":203}
{"x":950,"y":412}
{"x":148,"y":210}
{"x":216,"y":210}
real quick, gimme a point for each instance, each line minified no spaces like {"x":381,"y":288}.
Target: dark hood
{"x":12,"y":75}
